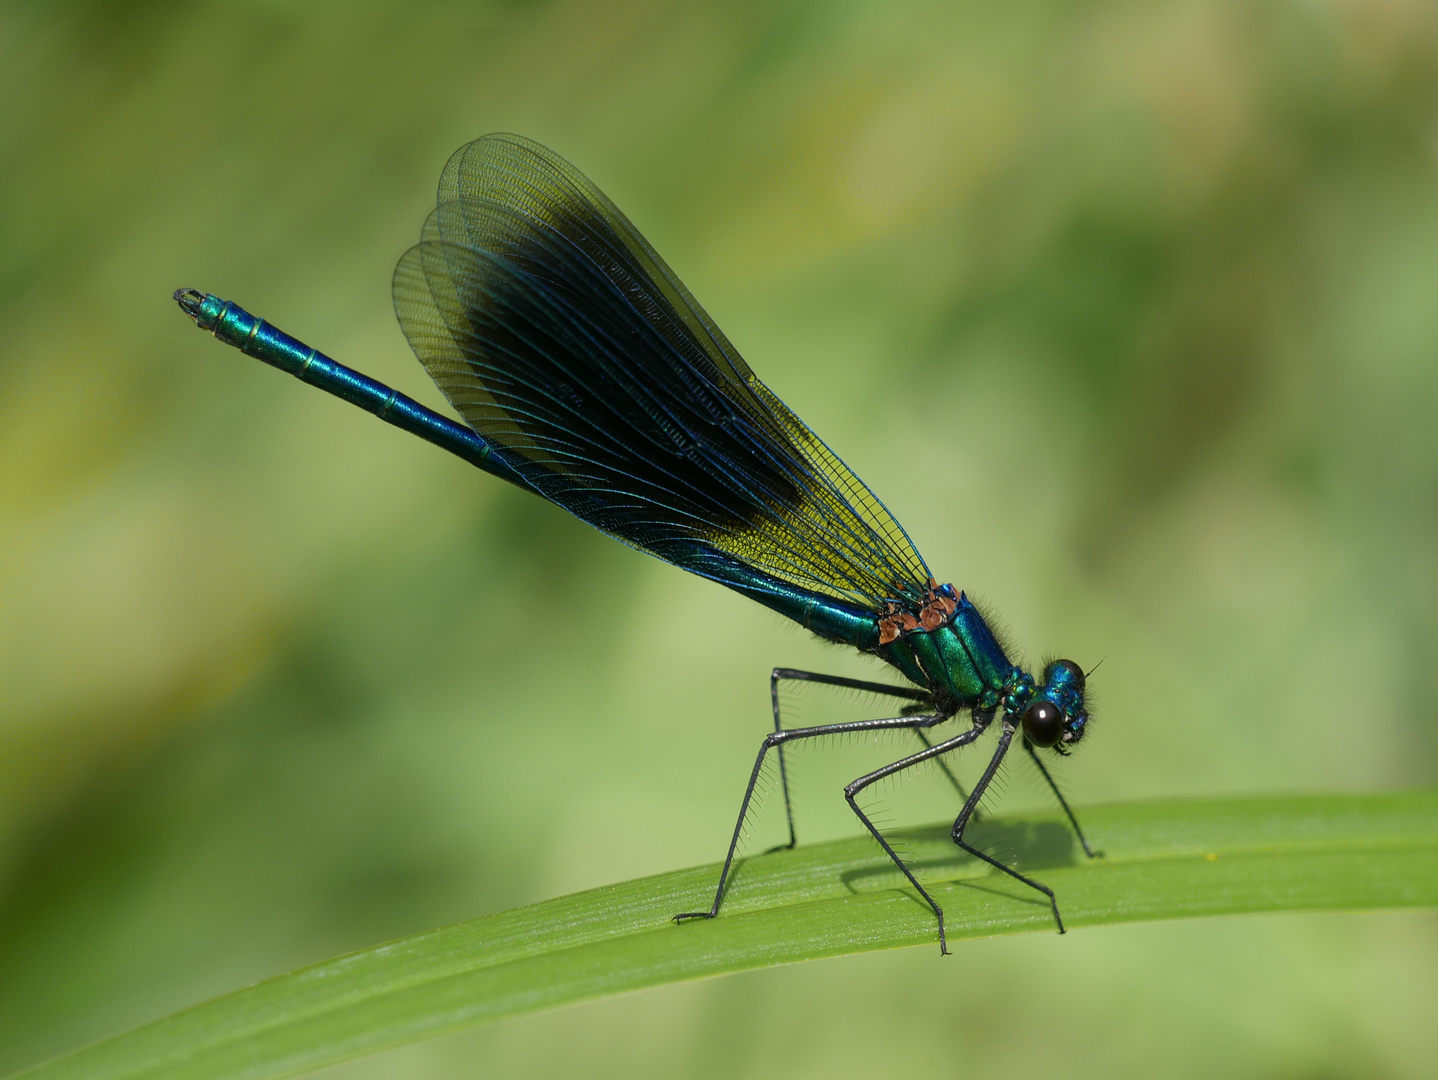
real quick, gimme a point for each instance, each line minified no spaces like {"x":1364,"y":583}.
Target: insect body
{"x":586,"y":373}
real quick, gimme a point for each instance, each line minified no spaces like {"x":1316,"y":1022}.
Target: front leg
{"x":961,"y":823}
{"x":1034,"y":754}
{"x":937,"y":750}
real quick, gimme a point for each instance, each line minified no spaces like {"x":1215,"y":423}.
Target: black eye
{"x":1075,"y":672}
{"x":1043,"y":722}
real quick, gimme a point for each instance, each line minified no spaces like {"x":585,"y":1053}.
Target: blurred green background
{"x":1126,"y":310}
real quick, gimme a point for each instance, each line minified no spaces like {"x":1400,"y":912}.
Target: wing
{"x":562,"y":337}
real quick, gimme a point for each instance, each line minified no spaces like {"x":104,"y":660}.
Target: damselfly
{"x":585,"y":372}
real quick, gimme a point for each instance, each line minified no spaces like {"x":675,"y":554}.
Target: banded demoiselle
{"x":586,"y":373}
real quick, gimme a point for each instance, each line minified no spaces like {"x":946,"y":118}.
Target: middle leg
{"x":980,"y":722}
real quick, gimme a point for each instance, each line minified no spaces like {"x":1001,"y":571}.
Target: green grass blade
{"x":1163,"y":860}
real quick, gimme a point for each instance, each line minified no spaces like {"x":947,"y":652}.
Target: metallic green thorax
{"x":961,"y":663}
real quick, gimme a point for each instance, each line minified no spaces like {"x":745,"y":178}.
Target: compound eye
{"x":1043,"y":722}
{"x":1076,"y":674}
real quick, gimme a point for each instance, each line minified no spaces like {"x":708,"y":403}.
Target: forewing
{"x":562,"y":337}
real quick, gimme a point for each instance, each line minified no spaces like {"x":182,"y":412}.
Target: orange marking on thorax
{"x":937,"y":610}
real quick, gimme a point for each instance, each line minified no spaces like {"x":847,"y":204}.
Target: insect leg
{"x":780,"y":674}
{"x":778,"y":738}
{"x":1062,"y":801}
{"x":954,"y":780}
{"x":853,"y":789}
{"x":1006,"y":736}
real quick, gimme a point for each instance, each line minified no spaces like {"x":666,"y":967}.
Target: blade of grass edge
{"x":1164,"y":859}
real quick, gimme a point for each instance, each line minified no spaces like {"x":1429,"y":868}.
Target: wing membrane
{"x":562,"y":337}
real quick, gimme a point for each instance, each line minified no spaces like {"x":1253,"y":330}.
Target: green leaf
{"x":1163,"y":860}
